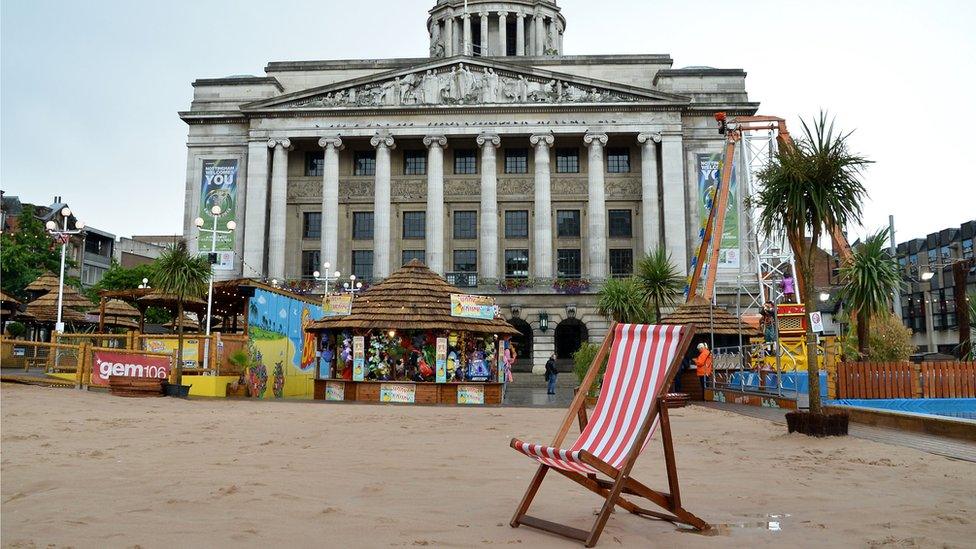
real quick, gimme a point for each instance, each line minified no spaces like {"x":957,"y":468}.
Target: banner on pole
{"x":709,"y":175}
{"x":218,"y":187}
{"x":112,"y":363}
{"x":473,"y":306}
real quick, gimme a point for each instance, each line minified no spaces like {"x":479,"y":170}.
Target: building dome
{"x":496,"y":28}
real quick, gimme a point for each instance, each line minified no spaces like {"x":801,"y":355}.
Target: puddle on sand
{"x":772,"y":523}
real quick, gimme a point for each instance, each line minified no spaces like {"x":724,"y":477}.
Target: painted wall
{"x":285,"y":355}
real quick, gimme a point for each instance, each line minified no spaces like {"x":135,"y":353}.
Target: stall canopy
{"x":45,"y":308}
{"x":709,"y":319}
{"x":412,"y":298}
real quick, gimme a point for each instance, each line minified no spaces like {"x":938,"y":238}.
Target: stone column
{"x":449,"y":36}
{"x":554,"y":35}
{"x":651,"y":213}
{"x":435,"y":202}
{"x":488,"y":216}
{"x":279,"y":204}
{"x":256,"y":206}
{"x":466,"y":48}
{"x":597,"y":206}
{"x":329,"y":243}
{"x":485,"y":48}
{"x":381,"y":206}
{"x":540,"y":34}
{"x":673,"y":171}
{"x":519,"y":33}
{"x":502,"y":33}
{"x":542,"y":258}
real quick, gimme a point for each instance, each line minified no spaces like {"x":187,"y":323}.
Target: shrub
{"x":888,"y":341}
{"x":582,"y":359}
{"x":16,"y":329}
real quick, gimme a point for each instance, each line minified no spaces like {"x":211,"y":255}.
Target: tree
{"x":660,"y":280}
{"x":178,"y":273}
{"x":890,"y":340}
{"x":118,"y":277}
{"x":623,"y":300}
{"x":27,"y":253}
{"x":807,"y":189}
{"x":870,"y":279}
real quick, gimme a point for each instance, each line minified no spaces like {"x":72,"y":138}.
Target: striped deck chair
{"x":633,"y":402}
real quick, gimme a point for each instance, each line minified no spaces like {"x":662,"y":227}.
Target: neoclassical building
{"x":501,"y":162}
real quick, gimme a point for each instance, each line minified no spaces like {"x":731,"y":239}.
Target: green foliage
{"x":16,"y":329}
{"x":889,"y":340}
{"x":582,"y":359}
{"x":872,"y":276}
{"x":240,"y":359}
{"x":26,"y":254}
{"x":660,"y":280}
{"x":623,"y":300}
{"x":118,"y":277}
{"x":178,"y":273}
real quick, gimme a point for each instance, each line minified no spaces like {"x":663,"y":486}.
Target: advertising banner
{"x":218,"y":187}
{"x":335,"y":390}
{"x":112,"y":363}
{"x":473,"y":306}
{"x":358,"y":358}
{"x":471,"y":394}
{"x":441,"y":359}
{"x":191,"y":349}
{"x":816,"y":321}
{"x":337,"y":305}
{"x":709,"y":175}
{"x":396,"y":392}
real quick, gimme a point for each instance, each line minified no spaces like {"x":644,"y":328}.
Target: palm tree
{"x":623,"y":300}
{"x":660,"y":280}
{"x":870,"y":278}
{"x":182,"y":275}
{"x":807,"y":189}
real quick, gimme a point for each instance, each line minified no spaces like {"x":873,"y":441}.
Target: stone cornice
{"x":700,"y":72}
{"x":401,"y":62}
{"x":238,"y":81}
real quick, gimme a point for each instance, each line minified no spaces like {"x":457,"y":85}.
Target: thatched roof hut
{"x":45,"y":283}
{"x":45,"y":308}
{"x":117,"y":308}
{"x":708,"y":319}
{"x":412,"y":298}
{"x":8,"y":301}
{"x":71,"y":298}
{"x":190,"y":324}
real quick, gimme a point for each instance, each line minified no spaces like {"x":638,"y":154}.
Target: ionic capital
{"x":435,"y":141}
{"x":652,"y":137}
{"x":285,"y":143}
{"x":379,"y":140}
{"x":331,"y":141}
{"x":488,"y":139}
{"x":540,"y":139}
{"x":502,"y":14}
{"x":520,"y":14}
{"x":595,"y":138}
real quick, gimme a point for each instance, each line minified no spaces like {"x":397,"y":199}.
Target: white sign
{"x":816,"y":321}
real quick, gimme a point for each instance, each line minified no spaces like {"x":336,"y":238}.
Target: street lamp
{"x":145,"y":284}
{"x":352,"y":286}
{"x":329,"y":277}
{"x":62,"y":235}
{"x":824,"y":297}
{"x":231,"y":225}
{"x":927,"y":275}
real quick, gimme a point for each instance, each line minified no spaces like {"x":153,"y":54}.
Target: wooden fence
{"x":906,"y":380}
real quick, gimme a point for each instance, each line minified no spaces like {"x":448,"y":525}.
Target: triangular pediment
{"x":460,"y":81}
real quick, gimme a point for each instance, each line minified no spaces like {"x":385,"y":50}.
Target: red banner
{"x":115,"y":363}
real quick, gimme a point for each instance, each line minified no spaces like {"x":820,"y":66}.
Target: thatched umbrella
{"x":412,"y":298}
{"x":46,"y":283}
{"x":117,"y":313}
{"x":45,"y":310}
{"x":169,"y":301}
{"x":8,"y":305}
{"x":708,"y":319}
{"x":189,"y":324}
{"x":70,"y":299}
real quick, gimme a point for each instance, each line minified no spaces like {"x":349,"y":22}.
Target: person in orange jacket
{"x":703,"y":364}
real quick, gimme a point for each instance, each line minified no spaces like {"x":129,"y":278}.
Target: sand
{"x":91,"y":470}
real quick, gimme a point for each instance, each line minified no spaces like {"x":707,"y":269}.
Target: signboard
{"x":709,"y":175}
{"x":113,"y":363}
{"x":441,"y":360}
{"x":335,"y":390}
{"x":398,"y":392}
{"x":337,"y":305}
{"x":358,"y":358}
{"x":191,"y":349}
{"x":473,"y":306}
{"x":218,"y":187}
{"x":471,"y":394}
{"x":816,"y":321}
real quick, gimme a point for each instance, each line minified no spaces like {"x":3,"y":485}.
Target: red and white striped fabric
{"x":637,"y":369}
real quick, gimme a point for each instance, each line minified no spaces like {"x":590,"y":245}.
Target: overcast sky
{"x":90,"y":90}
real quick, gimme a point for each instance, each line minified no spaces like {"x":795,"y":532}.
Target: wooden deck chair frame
{"x":620,"y":480}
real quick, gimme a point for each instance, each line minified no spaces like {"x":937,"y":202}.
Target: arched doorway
{"x":570,"y":335}
{"x":523,"y":345}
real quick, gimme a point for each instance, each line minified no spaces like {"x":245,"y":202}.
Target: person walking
{"x":703,"y":364}
{"x":508,"y":360}
{"x":551,"y":374}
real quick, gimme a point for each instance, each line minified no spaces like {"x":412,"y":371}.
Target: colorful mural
{"x":280,"y":347}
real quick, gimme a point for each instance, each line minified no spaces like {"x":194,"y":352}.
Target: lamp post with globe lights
{"x":328,"y":278}
{"x":352,"y":286}
{"x":63,"y":235}
{"x":215,"y":211}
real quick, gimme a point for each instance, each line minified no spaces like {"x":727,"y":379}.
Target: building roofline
{"x":399,"y":62}
{"x":668,"y":73}
{"x":238,"y":81}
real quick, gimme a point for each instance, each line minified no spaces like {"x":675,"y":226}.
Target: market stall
{"x":412,"y":338}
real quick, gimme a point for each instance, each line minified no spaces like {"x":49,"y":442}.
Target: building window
{"x":621,"y":263}
{"x":91,"y":275}
{"x":414,"y":224}
{"x":967,"y":248}
{"x":465,"y":225}
{"x":517,"y":224}
{"x":365,"y":163}
{"x":414,"y":162}
{"x":362,"y":225}
{"x":933,"y":256}
{"x":465,"y":162}
{"x":310,"y":263}
{"x":568,"y":263}
{"x":409,"y":255}
{"x":568,"y":223}
{"x":620,"y":224}
{"x":97,"y":246}
{"x":516,"y":161}
{"x":516,"y":263}
{"x":465,"y":261}
{"x":618,"y":160}
{"x":567,"y":160}
{"x":314,"y":164}
{"x":312,"y":225}
{"x":362,"y":264}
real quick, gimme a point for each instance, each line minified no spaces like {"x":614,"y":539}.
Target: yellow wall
{"x":208,"y":386}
